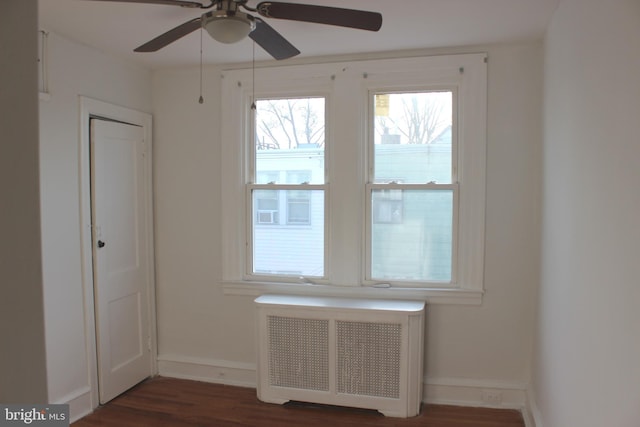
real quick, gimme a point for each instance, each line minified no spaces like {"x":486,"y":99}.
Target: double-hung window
{"x":412,"y":190}
{"x":287,"y":188}
{"x":356,"y":176}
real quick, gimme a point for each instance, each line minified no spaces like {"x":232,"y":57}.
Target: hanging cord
{"x":201,"y":99}
{"x":253,"y":78}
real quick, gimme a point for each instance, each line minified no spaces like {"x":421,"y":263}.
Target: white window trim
{"x":351,"y":82}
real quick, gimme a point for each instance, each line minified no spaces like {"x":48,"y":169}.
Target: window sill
{"x":453,"y":296}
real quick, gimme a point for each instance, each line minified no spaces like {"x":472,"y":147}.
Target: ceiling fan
{"x":228,"y":24}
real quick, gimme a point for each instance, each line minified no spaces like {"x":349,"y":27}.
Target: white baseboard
{"x":477,"y":393}
{"x":531,"y":413}
{"x":208,"y":370}
{"x":442,"y":391}
{"x":79,"y":402}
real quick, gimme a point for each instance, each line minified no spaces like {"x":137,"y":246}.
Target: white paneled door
{"x":120,"y":256}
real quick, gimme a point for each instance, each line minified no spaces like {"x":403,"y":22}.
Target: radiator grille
{"x":298,"y":352}
{"x":368,"y":359}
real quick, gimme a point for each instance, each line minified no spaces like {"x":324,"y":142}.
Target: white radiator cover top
{"x":365,"y":353}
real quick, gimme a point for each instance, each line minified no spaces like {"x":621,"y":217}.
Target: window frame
{"x":372,"y":185}
{"x":347,"y":87}
{"x":250,"y":273}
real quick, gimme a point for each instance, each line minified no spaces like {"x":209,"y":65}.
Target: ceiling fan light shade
{"x":228,"y":28}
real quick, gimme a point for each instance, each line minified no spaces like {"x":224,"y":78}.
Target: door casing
{"x":94,"y":108}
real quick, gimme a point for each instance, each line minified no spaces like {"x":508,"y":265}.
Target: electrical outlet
{"x":492,"y":397}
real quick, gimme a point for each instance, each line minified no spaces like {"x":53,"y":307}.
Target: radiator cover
{"x":340,"y":351}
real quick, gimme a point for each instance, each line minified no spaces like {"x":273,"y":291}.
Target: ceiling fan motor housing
{"x":227,"y":24}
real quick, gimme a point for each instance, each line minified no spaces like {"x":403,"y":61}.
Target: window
{"x":288,"y":177}
{"x":354,"y":175}
{"x":412,"y":221}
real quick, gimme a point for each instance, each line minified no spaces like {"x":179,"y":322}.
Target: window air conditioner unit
{"x":266,"y":217}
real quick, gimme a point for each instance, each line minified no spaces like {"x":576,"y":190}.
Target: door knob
{"x":101,"y":244}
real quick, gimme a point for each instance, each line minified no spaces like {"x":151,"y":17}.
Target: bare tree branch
{"x":288,"y":123}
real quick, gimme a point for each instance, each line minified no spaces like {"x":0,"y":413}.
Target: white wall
{"x":74,"y":70}
{"x":586,"y":370}
{"x":204,"y":334}
{"x":22,"y":354}
{"x":587,"y":355}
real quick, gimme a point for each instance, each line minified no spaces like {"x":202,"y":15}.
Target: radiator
{"x":338,"y":351}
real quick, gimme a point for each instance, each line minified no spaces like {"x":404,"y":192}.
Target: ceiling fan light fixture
{"x":227,"y":27}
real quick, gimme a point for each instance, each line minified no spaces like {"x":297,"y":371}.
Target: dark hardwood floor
{"x":169,"y":402}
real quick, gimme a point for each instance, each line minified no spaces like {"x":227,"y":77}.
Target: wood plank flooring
{"x":169,"y":402}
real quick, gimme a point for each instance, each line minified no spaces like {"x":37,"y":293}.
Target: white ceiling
{"x":118,"y":28}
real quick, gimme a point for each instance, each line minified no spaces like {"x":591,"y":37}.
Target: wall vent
{"x":298,"y":353}
{"x":338,"y":351}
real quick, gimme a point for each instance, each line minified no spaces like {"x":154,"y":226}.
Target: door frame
{"x":92,"y":108}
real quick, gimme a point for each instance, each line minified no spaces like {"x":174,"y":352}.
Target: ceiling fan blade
{"x":351,"y":18}
{"x":182,"y":3}
{"x":271,"y":41}
{"x":170,"y":36}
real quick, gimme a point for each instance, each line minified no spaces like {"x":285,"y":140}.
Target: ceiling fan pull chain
{"x":201,"y":99}
{"x":253,"y":78}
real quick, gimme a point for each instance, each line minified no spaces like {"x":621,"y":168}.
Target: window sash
{"x":406,"y":89}
{"x":370,"y":189}
{"x":251,"y":271}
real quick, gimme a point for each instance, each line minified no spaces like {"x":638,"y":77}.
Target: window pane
{"x":386,"y":206}
{"x":290,"y":139}
{"x":298,"y":176}
{"x":413,"y":137}
{"x":294,"y":247}
{"x":417,"y":243}
{"x":266,"y":177}
{"x":299,"y":207}
{"x":298,"y":212}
